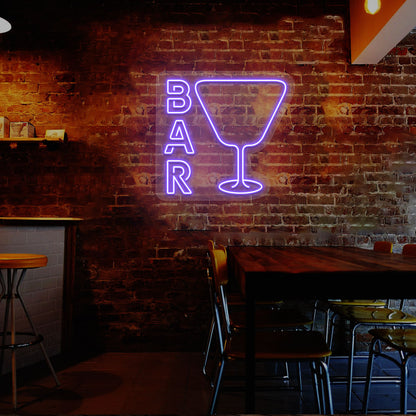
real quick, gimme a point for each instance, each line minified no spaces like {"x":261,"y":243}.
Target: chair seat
{"x":270,"y":318}
{"x":287,"y":345}
{"x":374,"y":315}
{"x":356,"y":302}
{"x":403,"y":339}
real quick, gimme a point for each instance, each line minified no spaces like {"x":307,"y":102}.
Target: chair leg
{"x":403,"y":385}
{"x":327,"y":324}
{"x":330,"y":329}
{"x":326,"y":385}
{"x":300,"y":379}
{"x":351,"y":368}
{"x":315,"y":385}
{"x":45,"y":355}
{"x":208,"y":346}
{"x":369,"y":375}
{"x":217,"y":384}
{"x":322,"y":387}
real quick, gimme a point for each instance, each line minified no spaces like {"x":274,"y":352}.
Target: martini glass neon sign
{"x":240,"y":185}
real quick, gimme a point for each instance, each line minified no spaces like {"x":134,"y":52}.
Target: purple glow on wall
{"x":240,"y":185}
{"x":210,"y":131}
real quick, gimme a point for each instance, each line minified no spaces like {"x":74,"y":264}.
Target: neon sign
{"x":198,"y":119}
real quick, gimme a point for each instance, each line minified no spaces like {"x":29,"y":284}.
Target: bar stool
{"x":16,"y":266}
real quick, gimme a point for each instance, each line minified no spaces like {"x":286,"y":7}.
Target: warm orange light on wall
{"x":372,"y":6}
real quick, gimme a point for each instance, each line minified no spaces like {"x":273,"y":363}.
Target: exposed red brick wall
{"x":341,"y":166}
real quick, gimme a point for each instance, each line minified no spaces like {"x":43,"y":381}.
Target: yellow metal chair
{"x":280,"y":345}
{"x":268,"y":315}
{"x":328,"y":306}
{"x":404,"y":342}
{"x":401,"y":340}
{"x":368,"y":315}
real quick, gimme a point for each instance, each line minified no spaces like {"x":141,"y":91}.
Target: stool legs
{"x":10,"y":292}
{"x":35,"y":332}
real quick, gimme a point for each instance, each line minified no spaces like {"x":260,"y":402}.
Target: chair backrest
{"x":218,"y":257}
{"x":409,"y":250}
{"x":383,"y":246}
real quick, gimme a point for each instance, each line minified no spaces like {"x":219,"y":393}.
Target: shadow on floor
{"x":171,"y":383}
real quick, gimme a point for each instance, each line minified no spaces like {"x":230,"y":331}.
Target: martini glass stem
{"x":240,"y":168}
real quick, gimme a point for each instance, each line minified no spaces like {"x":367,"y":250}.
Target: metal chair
{"x":273,"y":315}
{"x":404,"y":342}
{"x":16,"y":266}
{"x":328,"y":306}
{"x":372,"y":316}
{"x":281,"y":345}
{"x":400,"y":340}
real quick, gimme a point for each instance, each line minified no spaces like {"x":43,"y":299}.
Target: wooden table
{"x":314,"y":272}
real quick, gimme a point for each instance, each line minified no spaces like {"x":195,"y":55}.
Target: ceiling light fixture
{"x":372,"y":6}
{"x":5,"y":26}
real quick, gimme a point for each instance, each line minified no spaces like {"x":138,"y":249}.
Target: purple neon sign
{"x":199,"y":118}
{"x":240,"y":185}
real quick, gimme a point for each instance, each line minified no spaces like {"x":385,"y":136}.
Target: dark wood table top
{"x":323,"y":271}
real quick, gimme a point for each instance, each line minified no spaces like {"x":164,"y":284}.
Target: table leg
{"x":250,"y":348}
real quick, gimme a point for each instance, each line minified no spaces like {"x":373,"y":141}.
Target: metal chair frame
{"x":377,"y":351}
{"x":272,"y":310}
{"x":225,"y":334}
{"x":351,"y":355}
{"x":319,"y":370}
{"x":404,"y":356}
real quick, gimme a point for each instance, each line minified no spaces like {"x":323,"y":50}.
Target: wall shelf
{"x":31,"y":140}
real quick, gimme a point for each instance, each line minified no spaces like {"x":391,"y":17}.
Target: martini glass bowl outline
{"x":241,"y":185}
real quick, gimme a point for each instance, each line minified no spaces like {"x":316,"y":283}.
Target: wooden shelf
{"x":38,"y":219}
{"x":31,"y":140}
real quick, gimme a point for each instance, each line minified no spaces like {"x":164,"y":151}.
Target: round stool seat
{"x":22,"y":261}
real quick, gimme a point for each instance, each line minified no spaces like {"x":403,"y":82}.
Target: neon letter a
{"x":180,"y":138}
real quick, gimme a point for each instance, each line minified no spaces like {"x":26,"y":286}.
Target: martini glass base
{"x":244,"y":187}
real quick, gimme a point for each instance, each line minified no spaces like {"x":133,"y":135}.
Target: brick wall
{"x":340,"y":167}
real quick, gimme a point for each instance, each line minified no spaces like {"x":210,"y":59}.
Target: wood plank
{"x":322,"y":272}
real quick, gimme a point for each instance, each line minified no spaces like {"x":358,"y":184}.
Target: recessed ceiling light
{"x":372,"y":6}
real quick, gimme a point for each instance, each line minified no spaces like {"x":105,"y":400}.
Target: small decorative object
{"x":55,"y":134}
{"x":4,"y":127}
{"x":22,"y":129}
